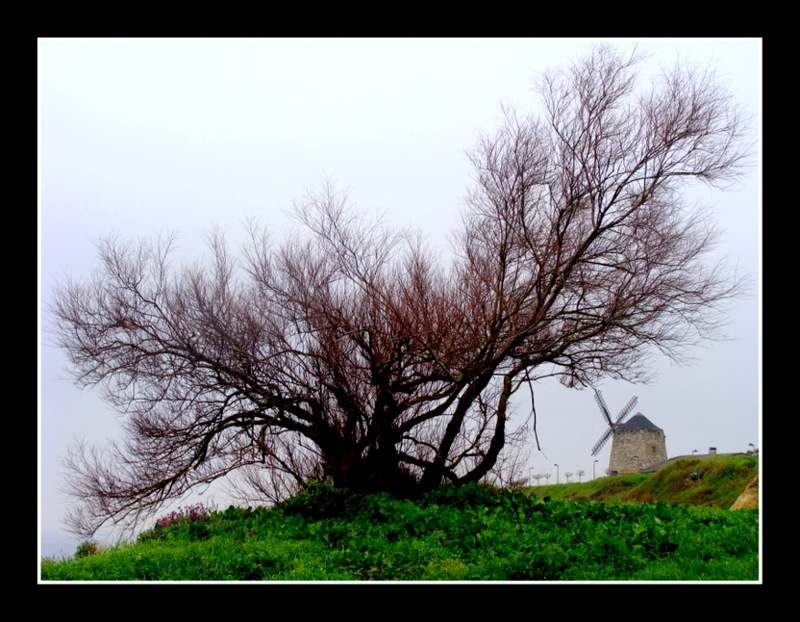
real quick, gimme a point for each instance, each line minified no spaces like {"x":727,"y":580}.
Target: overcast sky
{"x":140,"y":136}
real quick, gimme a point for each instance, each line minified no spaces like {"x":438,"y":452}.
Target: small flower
{"x":188,"y":513}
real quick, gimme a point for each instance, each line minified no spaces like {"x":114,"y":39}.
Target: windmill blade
{"x":603,"y":408}
{"x":626,"y":411}
{"x":603,"y":440}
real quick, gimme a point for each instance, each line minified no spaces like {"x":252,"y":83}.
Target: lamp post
{"x":557,"y":471}
{"x":593,"y":463}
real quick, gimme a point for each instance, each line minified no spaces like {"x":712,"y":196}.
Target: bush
{"x":89,"y":547}
{"x":185,"y":514}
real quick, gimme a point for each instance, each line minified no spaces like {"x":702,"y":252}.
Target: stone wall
{"x":634,"y":449}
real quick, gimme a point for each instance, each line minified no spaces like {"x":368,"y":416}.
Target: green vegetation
{"x":468,"y":533}
{"x":714,"y":481}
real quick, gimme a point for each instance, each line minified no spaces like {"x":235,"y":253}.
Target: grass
{"x":471,"y":533}
{"x":714,"y":481}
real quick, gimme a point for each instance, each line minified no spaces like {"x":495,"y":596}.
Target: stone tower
{"x":636,"y":445}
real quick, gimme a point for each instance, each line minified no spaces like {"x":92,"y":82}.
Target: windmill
{"x":612,"y":425}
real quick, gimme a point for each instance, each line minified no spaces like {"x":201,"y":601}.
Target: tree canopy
{"x":350,"y":353}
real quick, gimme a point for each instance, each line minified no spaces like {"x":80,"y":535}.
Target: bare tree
{"x":567,"y":475}
{"x":352,"y":355}
{"x":580,"y":473}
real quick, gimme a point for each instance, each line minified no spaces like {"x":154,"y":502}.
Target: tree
{"x":568,"y":474}
{"x":350,"y":354}
{"x":580,"y":473}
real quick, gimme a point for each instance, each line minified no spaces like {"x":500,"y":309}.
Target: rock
{"x":749,"y":498}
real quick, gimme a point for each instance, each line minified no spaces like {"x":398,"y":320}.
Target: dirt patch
{"x":749,"y":498}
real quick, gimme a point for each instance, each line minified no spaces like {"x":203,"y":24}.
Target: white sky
{"x":138,"y":136}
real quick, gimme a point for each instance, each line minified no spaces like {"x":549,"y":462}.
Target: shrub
{"x":185,"y":514}
{"x":89,"y":547}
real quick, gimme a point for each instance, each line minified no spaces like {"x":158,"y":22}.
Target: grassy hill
{"x":604,"y":530}
{"x":714,"y":481}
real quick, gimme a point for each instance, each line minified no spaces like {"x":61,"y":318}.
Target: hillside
{"x":713,"y":481}
{"x":464,"y":533}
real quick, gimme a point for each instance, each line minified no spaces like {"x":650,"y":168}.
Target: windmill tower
{"x":637,"y":444}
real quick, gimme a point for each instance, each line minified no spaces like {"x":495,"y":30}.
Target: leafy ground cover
{"x":470,"y":533}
